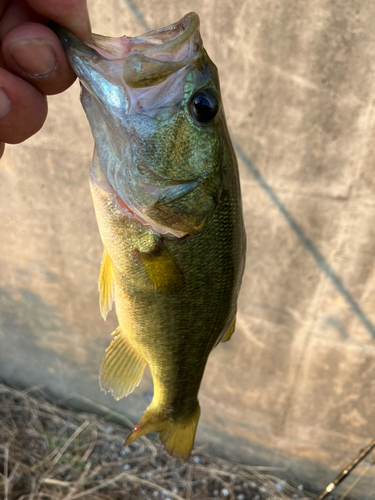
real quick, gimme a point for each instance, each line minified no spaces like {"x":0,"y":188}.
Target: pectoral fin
{"x":162,"y":269}
{"x":228,"y":334}
{"x":122,"y":368}
{"x":106,"y":285}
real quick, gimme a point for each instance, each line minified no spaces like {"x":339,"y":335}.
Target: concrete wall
{"x":295,"y":386}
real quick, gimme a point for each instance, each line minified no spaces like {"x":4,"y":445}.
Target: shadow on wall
{"x":38,"y":330}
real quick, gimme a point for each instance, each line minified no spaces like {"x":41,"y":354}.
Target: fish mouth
{"x":174,"y":47}
{"x":148,"y":59}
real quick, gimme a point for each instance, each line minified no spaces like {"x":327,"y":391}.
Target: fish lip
{"x":145,"y":60}
{"x":185,"y":26}
{"x":178,"y":46}
{"x":71,"y":41}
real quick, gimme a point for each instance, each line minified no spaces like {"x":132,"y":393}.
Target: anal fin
{"x":122,"y":368}
{"x":106,"y":285}
{"x":228,"y":334}
{"x":162,"y":269}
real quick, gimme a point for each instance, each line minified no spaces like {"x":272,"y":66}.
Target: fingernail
{"x":34,"y":57}
{"x":4,"y":103}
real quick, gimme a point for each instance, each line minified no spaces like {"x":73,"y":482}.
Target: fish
{"x":166,"y":191}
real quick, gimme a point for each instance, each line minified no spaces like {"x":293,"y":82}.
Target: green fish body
{"x":166,"y":191}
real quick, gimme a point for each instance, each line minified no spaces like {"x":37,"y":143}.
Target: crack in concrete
{"x":307,"y":243}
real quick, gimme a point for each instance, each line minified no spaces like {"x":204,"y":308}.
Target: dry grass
{"x":49,"y":452}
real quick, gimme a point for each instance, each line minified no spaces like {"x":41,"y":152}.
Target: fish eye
{"x":204,"y":106}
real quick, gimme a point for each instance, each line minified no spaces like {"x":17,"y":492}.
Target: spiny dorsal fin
{"x":106,"y":285}
{"x":122,"y":368}
{"x":228,"y":334}
{"x":162,"y":269}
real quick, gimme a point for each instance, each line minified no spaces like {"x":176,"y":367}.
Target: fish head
{"x":154,"y":106}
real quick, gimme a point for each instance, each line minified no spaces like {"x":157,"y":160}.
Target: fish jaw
{"x":92,"y":68}
{"x":130,"y":86}
{"x":122,"y":74}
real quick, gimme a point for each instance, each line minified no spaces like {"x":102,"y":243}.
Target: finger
{"x":34,"y":52}
{"x":2,"y":147}
{"x":17,"y":12}
{"x":23,"y":109}
{"x":72,"y":14}
{"x":2,"y":60}
{"x":3,"y":5}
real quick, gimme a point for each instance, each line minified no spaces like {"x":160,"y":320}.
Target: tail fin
{"x":176,"y":435}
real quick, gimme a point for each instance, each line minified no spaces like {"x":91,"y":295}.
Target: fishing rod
{"x":344,"y":474}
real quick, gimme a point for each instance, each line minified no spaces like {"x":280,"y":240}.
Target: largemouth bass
{"x":165,"y":185}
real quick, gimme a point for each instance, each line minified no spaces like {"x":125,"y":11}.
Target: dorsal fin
{"x":228,"y":334}
{"x":106,"y":285}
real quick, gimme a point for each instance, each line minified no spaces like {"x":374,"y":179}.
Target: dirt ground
{"x":53,"y":452}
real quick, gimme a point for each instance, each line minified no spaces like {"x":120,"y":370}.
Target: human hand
{"x":33,"y":63}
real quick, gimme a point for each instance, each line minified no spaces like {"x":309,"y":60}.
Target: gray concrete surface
{"x":295,"y":385}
